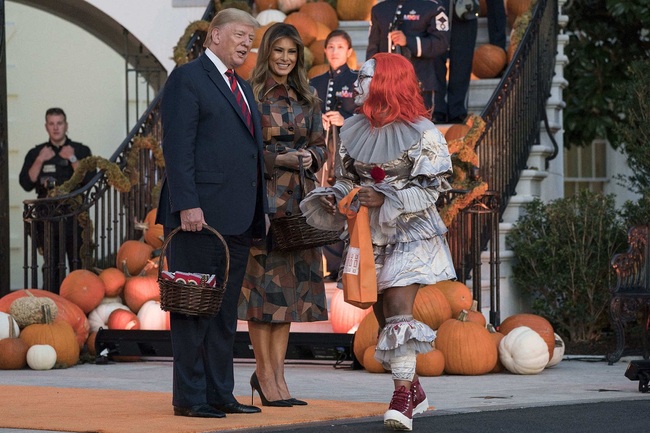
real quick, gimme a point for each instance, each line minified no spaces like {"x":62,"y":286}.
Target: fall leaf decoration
{"x":181,"y":55}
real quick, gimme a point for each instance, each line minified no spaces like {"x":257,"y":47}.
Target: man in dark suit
{"x":417,"y":29}
{"x":212,"y":143}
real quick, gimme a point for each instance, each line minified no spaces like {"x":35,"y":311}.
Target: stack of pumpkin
{"x":126,"y":297}
{"x":314,"y":20}
{"x":465,"y":345}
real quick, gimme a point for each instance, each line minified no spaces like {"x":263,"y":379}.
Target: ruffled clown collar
{"x":372,"y":145}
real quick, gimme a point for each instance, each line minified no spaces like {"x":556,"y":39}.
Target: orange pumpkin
{"x":13,"y":350}
{"x":67,"y":311}
{"x":456,"y":131}
{"x":365,"y":336}
{"x":496,"y":337}
{"x":473,"y":315}
{"x":321,"y":12}
{"x":123,"y":319}
{"x":154,"y":233}
{"x":430,"y":364}
{"x":489,"y":60}
{"x":343,"y":316}
{"x":132,"y":256}
{"x":514,"y":8}
{"x":458,"y":295}
{"x":114,"y":281}
{"x":317,"y":49}
{"x":139,"y":290}
{"x":468,"y":347}
{"x":59,"y":335}
{"x":317,"y":70}
{"x":90,"y":343}
{"x":84,"y":288}
{"x":322,"y":31}
{"x":354,"y":10}
{"x":262,"y":5}
{"x":259,"y":34}
{"x":431,"y":307}
{"x":535,"y":322}
{"x":370,"y":363}
{"x":305,"y":25}
{"x":247,"y":67}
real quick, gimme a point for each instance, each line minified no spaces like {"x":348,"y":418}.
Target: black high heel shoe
{"x":255,"y":386}
{"x":296,"y":402}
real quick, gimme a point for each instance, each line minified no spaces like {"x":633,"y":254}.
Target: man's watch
{"x":72,"y":159}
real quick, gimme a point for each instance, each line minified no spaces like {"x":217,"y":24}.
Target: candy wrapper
{"x":203,"y":280}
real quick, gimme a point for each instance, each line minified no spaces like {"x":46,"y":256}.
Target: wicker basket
{"x":292,"y":233}
{"x":191,"y":299}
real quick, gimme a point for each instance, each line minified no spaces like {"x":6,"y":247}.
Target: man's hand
{"x":329,"y":204}
{"x":45,"y":154}
{"x":368,"y":197}
{"x":398,"y":37}
{"x":66,"y":152}
{"x":332,"y":118}
{"x":192,"y":220}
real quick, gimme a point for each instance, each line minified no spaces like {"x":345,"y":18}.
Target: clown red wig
{"x":394,"y":93}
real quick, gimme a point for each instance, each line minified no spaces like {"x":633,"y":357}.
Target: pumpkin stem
{"x":490,"y":327}
{"x":29,"y":293}
{"x":463,"y":316}
{"x":12,"y":332}
{"x":474,"y":305}
{"x":47,"y":314}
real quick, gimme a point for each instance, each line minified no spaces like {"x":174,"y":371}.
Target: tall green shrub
{"x":562,"y":260}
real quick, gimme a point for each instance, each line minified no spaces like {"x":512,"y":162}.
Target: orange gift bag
{"x":359,"y":275}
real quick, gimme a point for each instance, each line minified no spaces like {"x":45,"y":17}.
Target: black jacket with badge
{"x":55,"y":171}
{"x":341,"y":96}
{"x":425,"y":23}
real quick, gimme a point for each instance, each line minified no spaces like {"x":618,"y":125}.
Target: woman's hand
{"x":291,"y":159}
{"x":329,"y":204}
{"x":332,"y":118}
{"x":368,"y":197}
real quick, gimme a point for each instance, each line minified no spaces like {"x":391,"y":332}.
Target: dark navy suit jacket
{"x":212,"y":160}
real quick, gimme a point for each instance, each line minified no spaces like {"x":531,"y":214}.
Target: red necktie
{"x":240,"y":99}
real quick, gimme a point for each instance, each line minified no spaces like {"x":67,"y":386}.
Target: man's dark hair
{"x":55,"y":112}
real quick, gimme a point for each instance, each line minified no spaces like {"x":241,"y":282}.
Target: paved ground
{"x":580,"y":394}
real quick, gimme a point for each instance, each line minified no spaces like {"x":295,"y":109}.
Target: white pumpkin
{"x":523,"y":351}
{"x":270,"y":16}
{"x":7,"y":321}
{"x":98,"y":318}
{"x":41,"y":357}
{"x":152,"y":317}
{"x":287,"y":6}
{"x":558,"y":352}
{"x":112,"y":299}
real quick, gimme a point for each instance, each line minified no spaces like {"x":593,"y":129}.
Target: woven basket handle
{"x":301,"y":171}
{"x":205,"y":226}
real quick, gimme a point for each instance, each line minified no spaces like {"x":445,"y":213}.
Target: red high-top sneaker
{"x":420,"y":401}
{"x":399,"y":415}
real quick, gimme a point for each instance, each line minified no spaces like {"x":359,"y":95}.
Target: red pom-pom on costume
{"x":377,"y":173}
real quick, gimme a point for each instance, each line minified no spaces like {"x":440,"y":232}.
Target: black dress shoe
{"x":236,"y":407}
{"x":199,"y":411}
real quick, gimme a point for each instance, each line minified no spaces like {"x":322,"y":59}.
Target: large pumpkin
{"x":132,"y":256}
{"x":496,"y":337}
{"x":343,"y":316}
{"x":523,"y":351}
{"x":322,"y":12}
{"x":431,"y":307}
{"x":468,"y":347}
{"x":305,"y":25}
{"x":317,"y":70}
{"x":365,"y":336}
{"x":431,"y":363}
{"x":13,"y":350}
{"x":287,"y":6}
{"x":489,"y":60}
{"x":354,"y":10}
{"x":152,"y":317}
{"x":139,"y":290}
{"x":473,"y":315}
{"x":317,"y":49}
{"x":114,"y":280}
{"x":515,"y":8}
{"x":59,"y":335}
{"x":8,"y":326}
{"x":262,"y":5}
{"x":123,"y":319}
{"x":153,"y":233}
{"x":456,"y":131}
{"x":98,"y":318}
{"x":84,"y":288}
{"x":537,"y":323}
{"x":370,"y":363}
{"x":67,"y":311}
{"x":458,"y":295}
{"x":246,"y":69}
{"x":270,"y":16}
